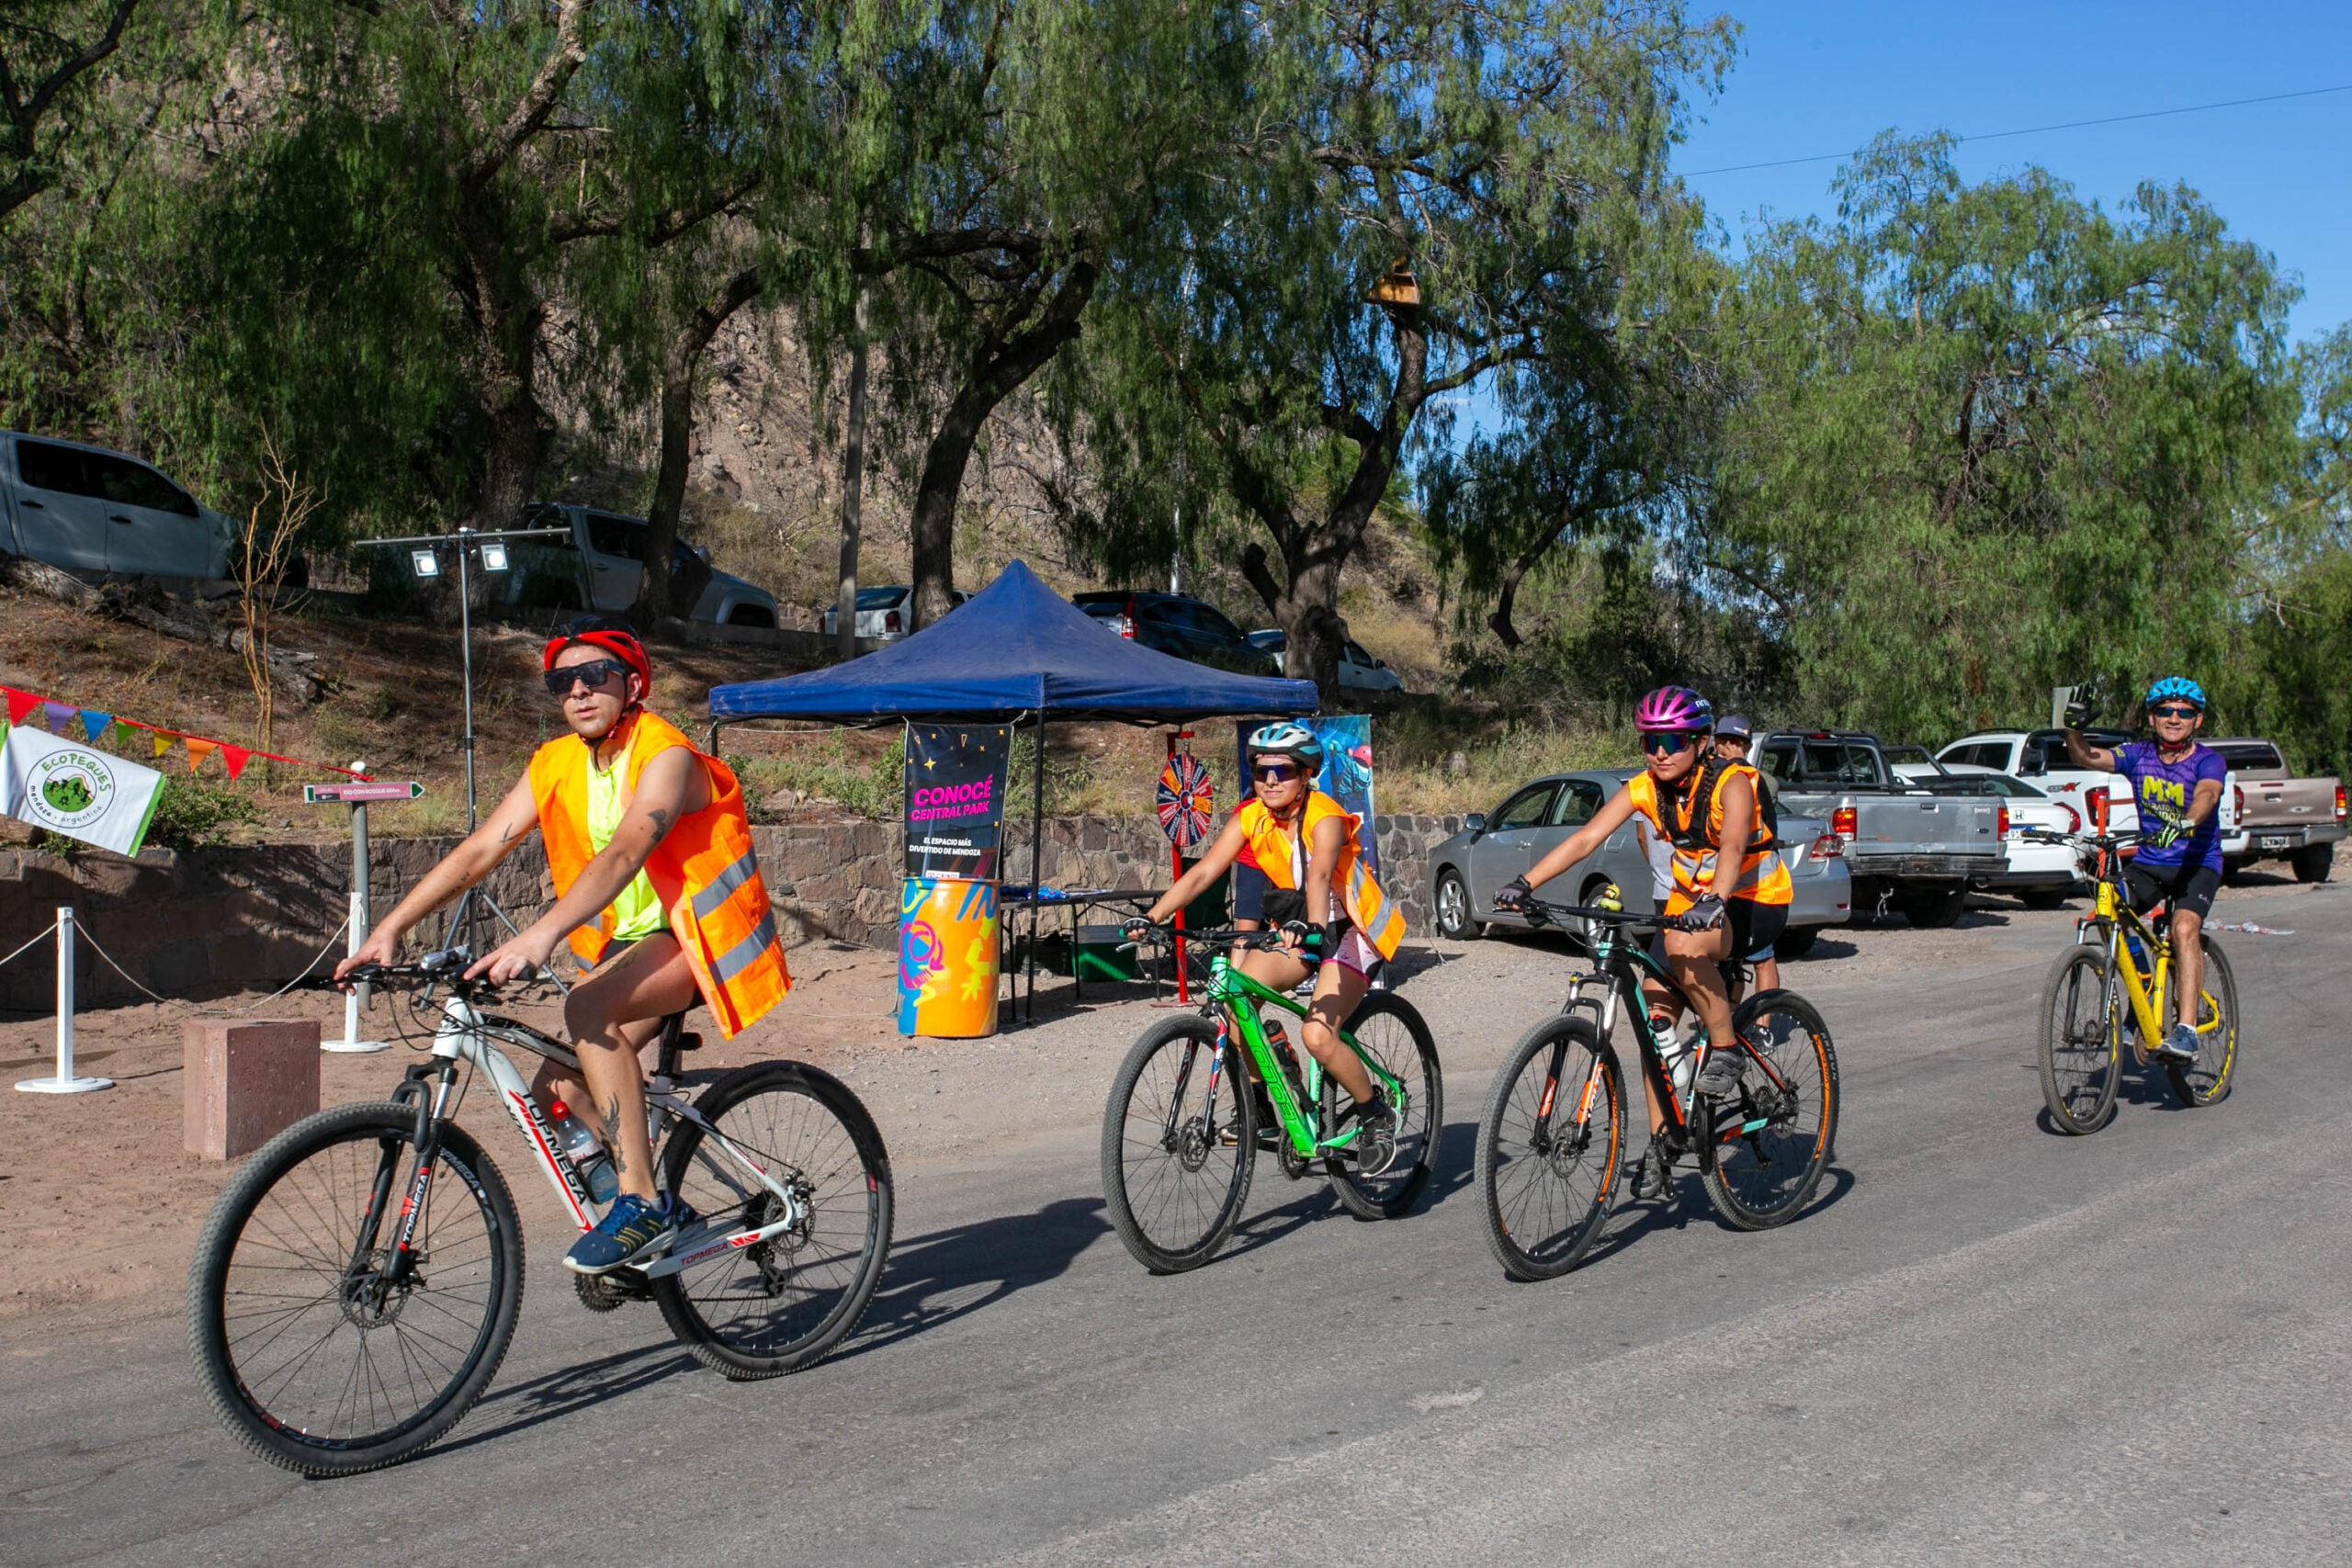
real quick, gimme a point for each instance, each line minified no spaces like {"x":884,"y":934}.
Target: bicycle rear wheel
{"x":1176,"y":1170}
{"x":780,"y":1304}
{"x":1548,"y":1151}
{"x":2206,"y":1080}
{"x":2081,"y":1060}
{"x":1393,"y":1034}
{"x":322,"y":1350}
{"x":1762,"y":1150}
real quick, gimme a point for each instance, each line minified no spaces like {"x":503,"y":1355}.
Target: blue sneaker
{"x":2180,"y":1044}
{"x":632,"y":1231}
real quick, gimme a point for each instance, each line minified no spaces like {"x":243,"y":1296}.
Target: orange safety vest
{"x":1763,"y":877}
{"x":1283,"y":859}
{"x":702,"y":870}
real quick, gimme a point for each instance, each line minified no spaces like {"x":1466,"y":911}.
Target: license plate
{"x":2274,"y":842}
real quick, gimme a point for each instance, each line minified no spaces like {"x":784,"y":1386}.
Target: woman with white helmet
{"x":1323,"y":899}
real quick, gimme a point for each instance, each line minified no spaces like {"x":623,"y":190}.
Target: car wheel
{"x":1795,"y":942}
{"x":2314,"y":862}
{"x":1932,"y":909}
{"x":1453,"y":920}
{"x":2044,"y":898}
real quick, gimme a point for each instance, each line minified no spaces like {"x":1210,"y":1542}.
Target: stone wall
{"x":206,"y":922}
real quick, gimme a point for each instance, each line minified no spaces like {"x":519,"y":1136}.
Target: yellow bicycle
{"x":2119,"y":970}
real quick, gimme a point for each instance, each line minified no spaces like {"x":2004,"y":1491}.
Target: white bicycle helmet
{"x":1284,"y":738}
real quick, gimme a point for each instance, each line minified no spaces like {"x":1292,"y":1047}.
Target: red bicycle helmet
{"x":614,"y":636}
{"x":1672,"y":710}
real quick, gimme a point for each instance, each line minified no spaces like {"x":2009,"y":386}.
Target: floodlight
{"x":424,"y":563}
{"x":493,"y":555}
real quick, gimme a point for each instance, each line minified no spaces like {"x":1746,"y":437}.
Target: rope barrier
{"x":32,"y":941}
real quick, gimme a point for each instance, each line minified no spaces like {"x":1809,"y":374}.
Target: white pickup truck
{"x":2039,"y":755}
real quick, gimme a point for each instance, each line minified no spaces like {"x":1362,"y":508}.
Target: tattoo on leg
{"x":611,"y":1117}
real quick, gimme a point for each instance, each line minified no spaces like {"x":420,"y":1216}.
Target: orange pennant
{"x":197,"y":750}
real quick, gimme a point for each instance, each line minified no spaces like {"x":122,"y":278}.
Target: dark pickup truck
{"x":1909,"y":848}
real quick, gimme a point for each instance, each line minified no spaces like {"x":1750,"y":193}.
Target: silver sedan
{"x":1493,"y":847}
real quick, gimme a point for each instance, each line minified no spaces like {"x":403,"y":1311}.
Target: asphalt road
{"x":1984,"y":1343}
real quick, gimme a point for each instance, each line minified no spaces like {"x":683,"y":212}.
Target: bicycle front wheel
{"x":1762,"y":1149}
{"x":324,"y":1350}
{"x":1549,"y":1145}
{"x":2081,"y":1063}
{"x":1176,"y":1166}
{"x":2206,"y":1080}
{"x":777,"y":1305}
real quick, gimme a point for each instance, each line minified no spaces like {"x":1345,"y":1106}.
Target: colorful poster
{"x":1346,"y":775}
{"x":955,"y":799}
{"x":948,"y":959}
{"x":69,"y":789}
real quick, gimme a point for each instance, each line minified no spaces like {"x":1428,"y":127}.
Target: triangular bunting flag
{"x":163,"y":741}
{"x":94,"y":724}
{"x":235,"y":757}
{"x":58,"y":717}
{"x":19,"y":704}
{"x":197,"y":750}
{"x":125,"y":732}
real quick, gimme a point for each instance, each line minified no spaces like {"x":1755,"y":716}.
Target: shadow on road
{"x":524,"y":1405}
{"x":936,"y":1278}
{"x":1687,"y":1203}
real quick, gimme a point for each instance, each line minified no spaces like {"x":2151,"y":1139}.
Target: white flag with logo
{"x":74,"y":790}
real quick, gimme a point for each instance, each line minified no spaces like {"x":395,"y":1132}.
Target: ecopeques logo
{"x":69,"y":789}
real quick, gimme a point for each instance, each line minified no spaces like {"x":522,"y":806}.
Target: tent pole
{"x":1037,"y":860}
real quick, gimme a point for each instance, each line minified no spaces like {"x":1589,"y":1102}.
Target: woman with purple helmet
{"x":1724,"y":905}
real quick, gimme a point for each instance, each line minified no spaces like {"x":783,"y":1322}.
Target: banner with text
{"x":955,"y":799}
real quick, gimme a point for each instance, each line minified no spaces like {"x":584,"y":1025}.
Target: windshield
{"x":880,"y":598}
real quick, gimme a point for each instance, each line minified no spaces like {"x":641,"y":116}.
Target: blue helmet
{"x":1283,"y":738}
{"x":2179,"y":687}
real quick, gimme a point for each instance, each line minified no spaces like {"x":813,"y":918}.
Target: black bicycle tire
{"x":1235,"y":1092}
{"x":1734,"y":1210}
{"x":1516,"y":1260}
{"x":205,"y":1308}
{"x":687,"y":1321}
{"x":2072,"y":1122}
{"x":2217,"y":967}
{"x":1398,"y":1192}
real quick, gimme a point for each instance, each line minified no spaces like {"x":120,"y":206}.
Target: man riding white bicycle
{"x":657,"y":889}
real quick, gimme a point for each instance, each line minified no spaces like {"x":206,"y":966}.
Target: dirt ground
{"x":99,"y":1203}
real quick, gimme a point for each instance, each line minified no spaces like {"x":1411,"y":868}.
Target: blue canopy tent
{"x":1015,"y":653}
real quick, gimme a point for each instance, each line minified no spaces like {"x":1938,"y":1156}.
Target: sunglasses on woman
{"x":2174,"y":710}
{"x":596,"y":674}
{"x":1276,"y":772}
{"x":1668,"y":745}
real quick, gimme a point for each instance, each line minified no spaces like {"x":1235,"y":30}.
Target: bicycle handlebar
{"x":1538,"y":912}
{"x":2089,"y":840}
{"x":1228,"y":936}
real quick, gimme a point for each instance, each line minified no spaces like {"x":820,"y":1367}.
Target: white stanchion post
{"x":65,"y":1082}
{"x":351,"y":1045}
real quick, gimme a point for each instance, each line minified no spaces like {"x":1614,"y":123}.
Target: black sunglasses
{"x":1276,"y":772}
{"x":598,"y":673}
{"x":1663,"y":745}
{"x":2176,"y":710}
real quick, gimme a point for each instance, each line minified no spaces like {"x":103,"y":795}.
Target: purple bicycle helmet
{"x":1672,"y":709}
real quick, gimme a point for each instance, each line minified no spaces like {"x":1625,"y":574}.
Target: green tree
{"x":1412,"y":203}
{"x":1988,"y":439}
{"x":52,"y":53}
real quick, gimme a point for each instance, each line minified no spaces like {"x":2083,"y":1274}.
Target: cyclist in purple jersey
{"x":2177,"y":784}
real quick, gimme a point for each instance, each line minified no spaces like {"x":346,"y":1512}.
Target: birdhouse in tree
{"x":1397,"y":287}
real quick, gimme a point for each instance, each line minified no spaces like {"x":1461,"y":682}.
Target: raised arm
{"x":2083,"y":755}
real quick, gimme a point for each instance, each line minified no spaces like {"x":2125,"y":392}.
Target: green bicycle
{"x":1184,"y":1127}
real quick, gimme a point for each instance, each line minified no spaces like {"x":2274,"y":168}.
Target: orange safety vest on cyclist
{"x":703,"y":872}
{"x":1283,"y":859}
{"x":1763,"y":876}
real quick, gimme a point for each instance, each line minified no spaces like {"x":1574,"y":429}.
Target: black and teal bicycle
{"x":1553,"y":1138}
{"x":1203,"y":1094}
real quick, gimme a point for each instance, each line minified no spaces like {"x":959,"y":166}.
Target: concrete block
{"x":246,"y":1080}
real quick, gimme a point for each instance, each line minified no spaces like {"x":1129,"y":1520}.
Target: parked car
{"x":1907,"y":847}
{"x":2276,"y":816}
{"x":2039,"y":757}
{"x":91,"y":511}
{"x":1359,"y":669}
{"x":2044,"y":876}
{"x":1180,"y":624}
{"x":1492,"y":848}
{"x":884,"y":611}
{"x":602,"y":563}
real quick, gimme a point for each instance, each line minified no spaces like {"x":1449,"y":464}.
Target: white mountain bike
{"x":356,"y":1285}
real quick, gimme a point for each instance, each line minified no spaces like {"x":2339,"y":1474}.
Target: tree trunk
{"x":679,"y":361}
{"x":999,"y":368}
{"x":853,"y":480}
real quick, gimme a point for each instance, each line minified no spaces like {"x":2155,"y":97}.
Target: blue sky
{"x":1817,"y":76}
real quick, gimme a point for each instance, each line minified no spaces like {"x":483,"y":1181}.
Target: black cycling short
{"x":1754,"y":929}
{"x":1250,"y":886}
{"x":2190,"y":887}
